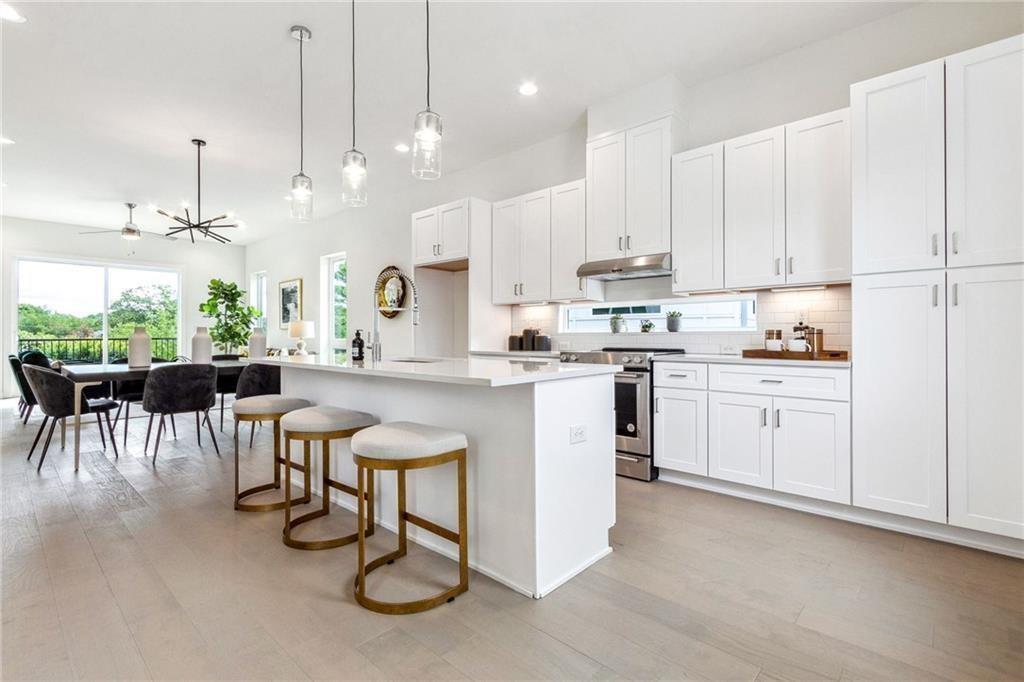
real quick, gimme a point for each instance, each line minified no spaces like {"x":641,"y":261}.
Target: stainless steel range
{"x":634,"y":442}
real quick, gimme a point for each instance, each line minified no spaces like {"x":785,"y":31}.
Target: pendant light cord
{"x":199,"y":185}
{"x":302,"y":112}
{"x":353,"y":74}
{"x":427,"y":2}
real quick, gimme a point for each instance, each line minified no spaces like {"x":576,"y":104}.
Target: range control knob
{"x":627,"y":359}
{"x":572,"y":358}
{"x":563,"y":357}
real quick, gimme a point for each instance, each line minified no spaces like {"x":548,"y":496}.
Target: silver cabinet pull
{"x":580,"y":283}
{"x":764,"y":416}
{"x":956,"y":243}
{"x":682,"y":375}
{"x":629,"y":242}
{"x":935,"y":243}
{"x":515,"y":289}
{"x":791,"y":265}
{"x":956,"y":294}
{"x":935,"y":295}
{"x":778,"y":418}
{"x":771,"y":381}
{"x":778,"y":266}
{"x":520,"y":288}
{"x":675,"y":275}
{"x":657,"y":405}
{"x":620,"y":243}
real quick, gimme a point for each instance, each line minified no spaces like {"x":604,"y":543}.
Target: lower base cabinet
{"x":811,"y":448}
{"x":681,"y":430}
{"x":739,"y":438}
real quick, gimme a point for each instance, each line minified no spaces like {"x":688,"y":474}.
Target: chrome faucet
{"x":375,"y":345}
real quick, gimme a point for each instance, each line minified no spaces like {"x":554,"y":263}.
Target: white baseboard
{"x":901,"y":524}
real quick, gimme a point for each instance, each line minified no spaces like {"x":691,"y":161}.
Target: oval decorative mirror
{"x":390,"y":291}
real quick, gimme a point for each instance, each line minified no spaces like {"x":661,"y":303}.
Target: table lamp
{"x":301,"y":329}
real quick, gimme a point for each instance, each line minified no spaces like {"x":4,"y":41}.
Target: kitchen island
{"x":541,"y":481}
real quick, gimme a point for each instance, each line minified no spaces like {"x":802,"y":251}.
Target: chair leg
{"x":159,"y":431}
{"x":199,"y":431}
{"x":21,"y":410}
{"x":463,"y":527}
{"x":222,"y":411}
{"x":38,"y":434}
{"x":46,"y":445}
{"x":174,"y":429}
{"x":213,"y":436}
{"x":99,"y":423}
{"x":28,"y":413}
{"x":64,"y":432}
{"x":117,"y":415}
{"x":127,"y":411}
{"x":252,"y":433}
{"x":110,"y":428}
{"x":149,"y":429}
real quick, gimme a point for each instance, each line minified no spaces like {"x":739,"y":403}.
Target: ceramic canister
{"x":258,"y":343}
{"x":140,"y":352}
{"x":202,"y":346}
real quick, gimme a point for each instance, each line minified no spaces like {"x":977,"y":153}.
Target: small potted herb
{"x":646,"y":326}
{"x":618,"y":324}
{"x":673,"y":319}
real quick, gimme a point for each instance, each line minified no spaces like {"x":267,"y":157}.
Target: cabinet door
{"x":453,"y":230}
{"x":984,"y":150}
{"x":698,"y":220}
{"x":505,"y":251}
{"x":897,"y":149}
{"x":568,"y":240}
{"x":648,"y":188}
{"x":899,"y":393}
{"x":739,"y":438}
{"x":424,"y":236}
{"x":986,"y":399}
{"x":681,"y":430}
{"x":606,"y":197}
{"x":818,"y":199}
{"x":811,"y":448}
{"x":755,"y":209}
{"x":535,"y":247}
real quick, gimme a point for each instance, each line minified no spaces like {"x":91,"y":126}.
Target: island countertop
{"x":472,"y":371}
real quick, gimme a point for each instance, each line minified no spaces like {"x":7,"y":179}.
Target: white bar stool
{"x":322,"y":423}
{"x":400,"y":447}
{"x":268,"y":407}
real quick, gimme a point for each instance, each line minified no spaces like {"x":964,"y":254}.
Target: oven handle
{"x":635,"y":378}
{"x":634,"y":460}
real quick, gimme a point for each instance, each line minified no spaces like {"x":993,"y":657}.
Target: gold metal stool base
{"x":278,"y":461}
{"x":364,"y":464}
{"x":327,"y":483}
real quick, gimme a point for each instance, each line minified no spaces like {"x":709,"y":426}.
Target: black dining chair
{"x":38,"y":358}
{"x":174,"y":389}
{"x":226,"y":383}
{"x":257,"y":380}
{"x":27,"y":399}
{"x":130,"y":391}
{"x":56,"y":396}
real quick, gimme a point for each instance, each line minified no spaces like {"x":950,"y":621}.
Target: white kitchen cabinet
{"x":984,"y":151}
{"x":986,"y":399}
{"x":899,"y":393}
{"x":606,"y":197}
{"x":681,"y":430}
{"x":698,"y":220}
{"x":441,"y":234}
{"x":740,"y":438}
{"x":569,"y":244}
{"x":648,"y":188}
{"x":818,"y":199}
{"x":755,"y":209}
{"x":521,"y":249}
{"x":811,"y":448}
{"x":898,"y":175}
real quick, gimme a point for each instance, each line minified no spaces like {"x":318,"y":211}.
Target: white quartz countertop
{"x":472,"y":371}
{"x":550,"y":354}
{"x":740,"y":360}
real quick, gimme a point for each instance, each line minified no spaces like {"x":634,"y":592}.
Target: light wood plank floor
{"x":130,"y":570}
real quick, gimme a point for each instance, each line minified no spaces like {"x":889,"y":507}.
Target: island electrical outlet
{"x":577,"y":434}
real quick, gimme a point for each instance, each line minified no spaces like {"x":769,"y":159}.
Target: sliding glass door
{"x":84,"y":312}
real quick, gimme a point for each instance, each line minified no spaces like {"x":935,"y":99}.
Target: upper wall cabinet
{"x":628,"y":187}
{"x":898,"y":179}
{"x":755,"y":209}
{"x":441,"y":234}
{"x":818,"y":199}
{"x":984,"y":142}
{"x":698,"y":215}
{"x":569,"y":244}
{"x":521,"y":249}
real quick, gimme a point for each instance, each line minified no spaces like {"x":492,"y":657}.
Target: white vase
{"x":258,"y":344}
{"x":202,"y":346}
{"x":140,"y":351}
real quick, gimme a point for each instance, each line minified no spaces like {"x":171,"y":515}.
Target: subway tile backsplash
{"x":828,"y":309}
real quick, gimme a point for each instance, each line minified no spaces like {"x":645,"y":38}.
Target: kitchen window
{"x":707,"y":314}
{"x":334,"y":294}
{"x":258,"y":298}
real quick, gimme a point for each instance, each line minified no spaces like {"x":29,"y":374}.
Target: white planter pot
{"x":140,"y":348}
{"x":258,"y":344}
{"x":202,"y":346}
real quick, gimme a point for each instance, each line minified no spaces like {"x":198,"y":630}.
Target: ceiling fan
{"x":130,"y":231}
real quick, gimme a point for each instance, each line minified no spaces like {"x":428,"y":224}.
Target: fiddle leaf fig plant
{"x":233,"y":318}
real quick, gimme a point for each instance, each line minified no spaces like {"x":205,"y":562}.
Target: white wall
{"x":197,"y":263}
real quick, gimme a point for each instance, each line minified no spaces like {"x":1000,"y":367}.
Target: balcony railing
{"x":91,"y":350}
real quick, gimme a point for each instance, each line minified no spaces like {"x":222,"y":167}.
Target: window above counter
{"x":696,"y":314}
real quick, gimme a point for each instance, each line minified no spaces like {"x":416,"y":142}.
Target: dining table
{"x":84,"y":375}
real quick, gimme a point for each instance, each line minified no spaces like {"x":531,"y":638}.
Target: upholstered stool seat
{"x":400,"y":447}
{"x":268,"y":404}
{"x":322,"y":423}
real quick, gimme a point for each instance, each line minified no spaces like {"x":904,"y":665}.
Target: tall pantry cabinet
{"x":938,"y":290}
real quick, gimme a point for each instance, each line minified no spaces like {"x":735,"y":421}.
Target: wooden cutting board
{"x":796,"y":355}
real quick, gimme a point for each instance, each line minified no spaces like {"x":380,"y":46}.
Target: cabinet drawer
{"x":793,"y":382}
{"x":680,"y":375}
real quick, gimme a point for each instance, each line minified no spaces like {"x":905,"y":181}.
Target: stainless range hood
{"x":631,"y":267}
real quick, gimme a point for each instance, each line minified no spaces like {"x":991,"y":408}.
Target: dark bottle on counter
{"x":357,"y":346}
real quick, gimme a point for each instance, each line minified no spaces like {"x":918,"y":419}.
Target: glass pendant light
{"x":302,"y":185}
{"x":353,"y":162}
{"x":426,"y":146}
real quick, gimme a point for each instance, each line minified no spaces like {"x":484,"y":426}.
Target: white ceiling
{"x":103,"y":98}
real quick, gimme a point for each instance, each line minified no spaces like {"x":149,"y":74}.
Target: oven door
{"x":632,"y":413}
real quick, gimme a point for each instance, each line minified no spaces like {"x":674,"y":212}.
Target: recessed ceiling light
{"x":401,"y":148}
{"x":8,"y":13}
{"x":6,"y":140}
{"x":528,"y":88}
